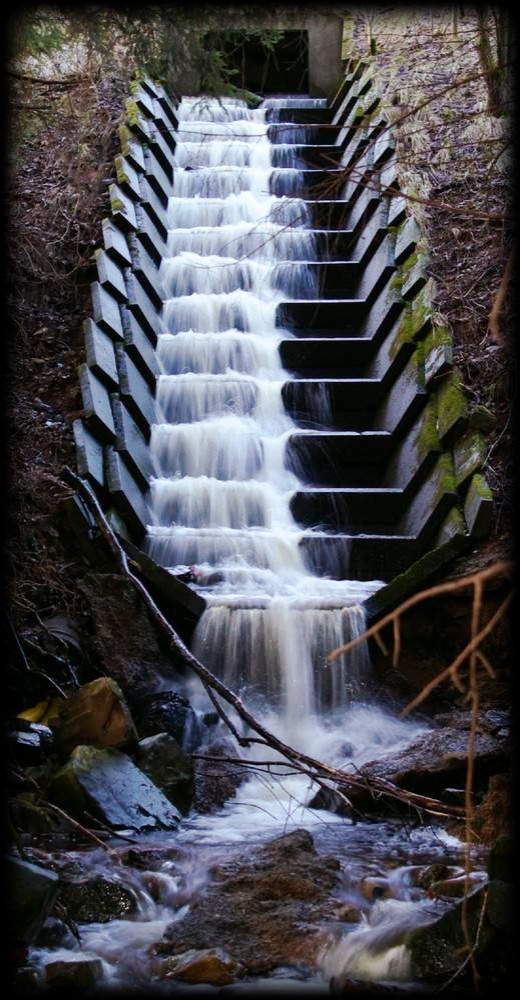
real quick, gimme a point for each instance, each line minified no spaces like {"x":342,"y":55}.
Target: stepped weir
{"x":271,"y":417}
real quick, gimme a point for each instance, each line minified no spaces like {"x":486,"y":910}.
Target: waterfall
{"x":241,"y":242}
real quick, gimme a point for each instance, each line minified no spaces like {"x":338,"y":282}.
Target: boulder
{"x":436,"y":760}
{"x":170,"y":769}
{"x":31,"y":891}
{"x":97,"y":900}
{"x":96,"y":715}
{"x":208,"y":965}
{"x":502,"y":856}
{"x":267,"y":907}
{"x":55,"y":934}
{"x":437,"y":947}
{"x":76,"y":974}
{"x":106,"y":784}
{"x":216,"y":781}
{"x":30,"y":742}
{"x":169,"y":712}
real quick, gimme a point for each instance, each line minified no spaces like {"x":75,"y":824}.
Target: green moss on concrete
{"x":132,"y":112}
{"x":480,"y":487}
{"x":452,"y":404}
{"x":469,"y":454}
{"x":415,"y":317}
{"x":427,"y":439}
{"x":125,"y":136}
{"x":482,"y":419}
{"x":445,"y":474}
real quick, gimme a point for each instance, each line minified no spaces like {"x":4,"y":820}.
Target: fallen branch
{"x":498,"y":301}
{"x":378,"y":786}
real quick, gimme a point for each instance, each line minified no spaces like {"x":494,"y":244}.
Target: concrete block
{"x":403,"y":403}
{"x":158,"y":178}
{"x":132,"y":149}
{"x":142,"y":307}
{"x":139,"y":348}
{"x":146,"y":270}
{"x":417,"y":448}
{"x":100,"y":354}
{"x":106,"y":311}
{"x":152,"y":88}
{"x":144,"y":101}
{"x":168,"y":108}
{"x":414,"y":278}
{"x":96,"y":405}
{"x":136,"y":121}
{"x":379,"y":268}
{"x":478,"y":507}
{"x":396,"y":211}
{"x":161,"y":151}
{"x":89,"y":455}
{"x":407,"y":239}
{"x":163,"y":129}
{"x":438,"y":357}
{"x":383,"y":312}
{"x":433,"y":500}
{"x":135,"y":393}
{"x":452,"y":406}
{"x":110,"y":275}
{"x":151,"y":238}
{"x":154,"y":208}
{"x":371,"y":236}
{"x":363,"y":209}
{"x":115,"y":242}
{"x":469,"y":454}
{"x":131,"y":444}
{"x":383,"y":148}
{"x":126,"y":493}
{"x":122,"y":208}
{"x":386,"y":179}
{"x":127,"y":178}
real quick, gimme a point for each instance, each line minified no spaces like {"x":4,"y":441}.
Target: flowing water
{"x":240,"y":242}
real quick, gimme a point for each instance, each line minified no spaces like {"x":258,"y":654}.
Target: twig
{"x":79,"y":826}
{"x":498,"y":301}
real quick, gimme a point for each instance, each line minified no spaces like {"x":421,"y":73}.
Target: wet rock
{"x":426,"y":875}
{"x":31,"y":891}
{"x":108,"y":785}
{"x":55,"y":934}
{"x":328,"y":798}
{"x":348,"y":913}
{"x":169,"y":712}
{"x":30,"y":742}
{"x":26,"y":981}
{"x":29,"y":815}
{"x":95,"y":715}
{"x":456,"y":888}
{"x":501,"y":858}
{"x":267,"y":907}
{"x":170,"y":769}
{"x":216,"y":781}
{"x":376,"y":888}
{"x":436,"y":948}
{"x":494,"y":813}
{"x":97,"y":900}
{"x":209,"y":965}
{"x":78,"y":974}
{"x":501,"y":905}
{"x":435,"y":760}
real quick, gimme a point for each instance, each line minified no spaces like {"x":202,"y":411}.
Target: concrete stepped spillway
{"x":377,"y":454}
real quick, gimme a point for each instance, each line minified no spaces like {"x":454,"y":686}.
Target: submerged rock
{"x":266,"y":907}
{"x":170,"y":769}
{"x":108,"y":785}
{"x":95,"y":715}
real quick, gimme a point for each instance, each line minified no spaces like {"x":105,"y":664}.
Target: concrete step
{"x":374,"y":509}
{"x":339,"y":458}
{"x":317,"y":135}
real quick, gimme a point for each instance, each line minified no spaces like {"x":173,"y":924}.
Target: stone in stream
{"x":170,"y":769}
{"x":80,"y":974}
{"x":267,"y":908}
{"x":108,"y":786}
{"x":95,"y":715}
{"x":96,"y":900}
{"x":216,"y":781}
{"x":31,"y":891}
{"x":168,"y":712}
{"x":208,"y":965}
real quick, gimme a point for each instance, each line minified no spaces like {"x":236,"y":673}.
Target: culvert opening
{"x":282,"y":67}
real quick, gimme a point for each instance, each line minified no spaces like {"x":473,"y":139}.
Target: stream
{"x":220,"y":513}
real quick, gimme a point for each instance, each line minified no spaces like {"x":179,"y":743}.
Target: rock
{"x":29,"y":815}
{"x":55,"y":934}
{"x":436,"y":948}
{"x":77,"y":974}
{"x":169,"y":712}
{"x":26,"y":981}
{"x":494,"y":814}
{"x":328,"y":798}
{"x":502,"y":858}
{"x":267,"y":907}
{"x":209,"y":965}
{"x":97,"y":900}
{"x":170,"y":769}
{"x":96,"y":715}
{"x":456,"y":888}
{"x":376,"y":888}
{"x":30,"y":742}
{"x":108,"y":785}
{"x":438,"y":758}
{"x":425,"y":876}
{"x":348,"y":913}
{"x":216,"y":781}
{"x":31,"y":891}
{"x":501,"y":905}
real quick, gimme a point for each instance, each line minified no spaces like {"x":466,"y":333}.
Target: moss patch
{"x":452,"y":404}
{"x":427,"y":439}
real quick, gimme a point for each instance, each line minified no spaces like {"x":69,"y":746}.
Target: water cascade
{"x":222,"y":498}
